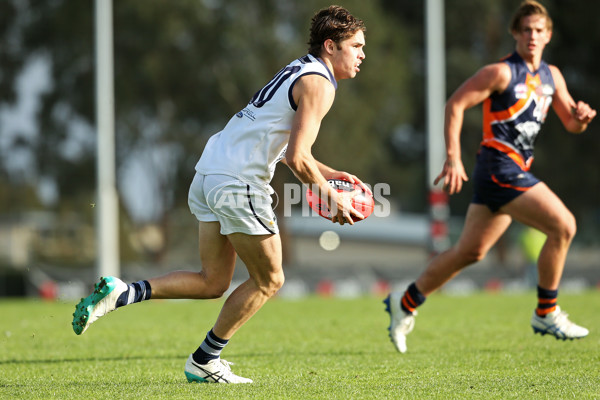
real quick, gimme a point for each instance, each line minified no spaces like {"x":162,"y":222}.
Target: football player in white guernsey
{"x":230,"y":194}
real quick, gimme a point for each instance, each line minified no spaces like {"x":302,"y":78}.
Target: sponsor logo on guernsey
{"x":544,"y":90}
{"x":521,"y":91}
{"x":246,"y":112}
{"x":527,"y":133}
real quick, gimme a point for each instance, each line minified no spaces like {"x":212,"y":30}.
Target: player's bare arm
{"x":489,"y":79}
{"x":314,"y":96}
{"x":331,"y":173}
{"x":575,"y":116}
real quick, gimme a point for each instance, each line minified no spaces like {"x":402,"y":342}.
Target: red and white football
{"x":363,"y":202}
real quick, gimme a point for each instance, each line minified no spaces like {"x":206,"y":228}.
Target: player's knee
{"x":218,"y":291}
{"x":213,"y":289}
{"x":563,"y":231}
{"x":567,"y":229}
{"x":472,"y":255}
{"x":275,"y":284}
{"x":571,"y":227}
{"x":271,"y":286}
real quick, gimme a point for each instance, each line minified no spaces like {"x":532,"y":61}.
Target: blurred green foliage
{"x":183,"y":68}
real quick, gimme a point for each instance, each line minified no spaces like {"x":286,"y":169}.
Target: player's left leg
{"x":540,"y":208}
{"x":263,"y":259}
{"x":250,"y":229}
{"x":262,"y":256}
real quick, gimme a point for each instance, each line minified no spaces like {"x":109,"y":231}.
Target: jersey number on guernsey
{"x":266,"y":93}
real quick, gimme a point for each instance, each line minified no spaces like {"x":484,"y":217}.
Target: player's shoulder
{"x":313,"y":80}
{"x":308,"y":63}
{"x":313,"y":65}
{"x":497,"y":75}
{"x":554,"y":69}
{"x":499,"y":68}
{"x":315,"y":84}
{"x":314,"y":73}
{"x":557,"y":76}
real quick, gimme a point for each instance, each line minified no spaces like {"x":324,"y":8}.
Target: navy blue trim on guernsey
{"x":254,"y":212}
{"x":291,"y":97}
{"x":305,"y":60}
{"x":331,"y":77}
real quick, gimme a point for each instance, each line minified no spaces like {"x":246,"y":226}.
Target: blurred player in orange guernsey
{"x":516,"y":93}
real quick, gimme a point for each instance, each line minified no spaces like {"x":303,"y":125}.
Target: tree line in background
{"x":183,"y":68}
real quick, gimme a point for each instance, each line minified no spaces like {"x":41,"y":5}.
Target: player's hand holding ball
{"x":342,"y":210}
{"x":354,"y":201}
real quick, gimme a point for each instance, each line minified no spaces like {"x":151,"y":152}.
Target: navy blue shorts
{"x":497,"y":179}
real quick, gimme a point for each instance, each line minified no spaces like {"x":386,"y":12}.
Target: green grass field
{"x":475,"y":347}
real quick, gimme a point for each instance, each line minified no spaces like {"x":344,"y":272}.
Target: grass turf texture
{"x":474,"y":347}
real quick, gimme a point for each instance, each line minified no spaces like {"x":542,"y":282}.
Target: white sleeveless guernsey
{"x":256,"y":138}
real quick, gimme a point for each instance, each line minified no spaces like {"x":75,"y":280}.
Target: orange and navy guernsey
{"x":511,"y":121}
{"x":513,"y":118}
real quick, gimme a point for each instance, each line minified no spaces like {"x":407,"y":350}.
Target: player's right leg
{"x":218,"y":264}
{"x":481,"y":230}
{"x":217,"y":257}
{"x":401,"y":322}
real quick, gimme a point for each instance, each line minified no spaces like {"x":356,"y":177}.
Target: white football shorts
{"x":237,"y":206}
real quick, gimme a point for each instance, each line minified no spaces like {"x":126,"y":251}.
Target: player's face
{"x":348,"y":56}
{"x":533,"y":36}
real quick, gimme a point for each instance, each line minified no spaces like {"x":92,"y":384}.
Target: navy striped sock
{"x":412,"y":299}
{"x":546,"y":301}
{"x":138,"y":291}
{"x":210,"y":349}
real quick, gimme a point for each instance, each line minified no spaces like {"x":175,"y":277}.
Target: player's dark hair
{"x":335,"y":23}
{"x":527,"y":8}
